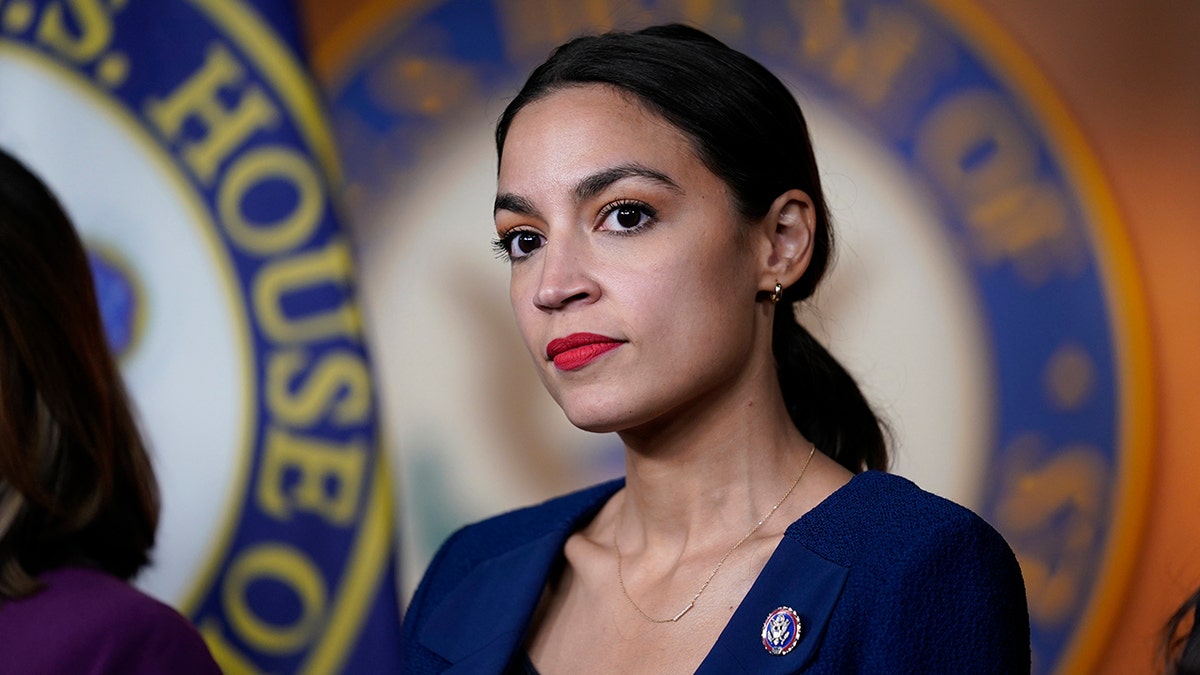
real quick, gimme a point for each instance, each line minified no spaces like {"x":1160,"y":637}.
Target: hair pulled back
{"x":76,"y":485}
{"x":747,"y":128}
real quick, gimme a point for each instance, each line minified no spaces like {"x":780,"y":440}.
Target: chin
{"x":595,"y":423}
{"x":606,"y":407}
{"x":612,"y":418}
{"x":599,"y":419}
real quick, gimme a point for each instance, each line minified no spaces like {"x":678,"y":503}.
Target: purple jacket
{"x":87,"y":622}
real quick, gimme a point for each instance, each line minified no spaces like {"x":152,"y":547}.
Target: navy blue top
{"x":885,"y":578}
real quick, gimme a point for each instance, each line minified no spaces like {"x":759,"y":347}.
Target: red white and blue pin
{"x":781,"y":631}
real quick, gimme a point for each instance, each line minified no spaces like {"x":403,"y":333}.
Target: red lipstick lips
{"x":579,"y":349}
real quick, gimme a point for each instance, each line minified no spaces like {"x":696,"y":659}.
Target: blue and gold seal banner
{"x":186,"y":141}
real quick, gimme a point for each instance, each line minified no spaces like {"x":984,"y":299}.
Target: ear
{"x":789,"y":227}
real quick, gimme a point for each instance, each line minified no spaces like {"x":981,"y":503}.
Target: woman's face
{"x":633,"y":276}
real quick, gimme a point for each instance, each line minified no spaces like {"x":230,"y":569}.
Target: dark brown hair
{"x":1181,"y":643}
{"x":76,"y":486}
{"x":748,"y":130}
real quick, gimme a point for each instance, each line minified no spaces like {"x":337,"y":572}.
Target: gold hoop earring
{"x":777,"y":294}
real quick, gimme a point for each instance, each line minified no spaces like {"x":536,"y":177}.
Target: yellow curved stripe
{"x":1129,"y":324}
{"x":371,"y":549}
{"x":361,"y":579}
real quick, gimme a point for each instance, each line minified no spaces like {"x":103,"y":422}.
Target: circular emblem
{"x":781,"y":631}
{"x":198,"y":175}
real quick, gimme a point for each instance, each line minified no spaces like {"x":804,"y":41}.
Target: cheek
{"x":714,"y":269}
{"x":686,"y":297}
{"x":523,"y":310}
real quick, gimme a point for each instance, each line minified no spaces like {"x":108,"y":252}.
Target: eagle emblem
{"x":781,"y":631}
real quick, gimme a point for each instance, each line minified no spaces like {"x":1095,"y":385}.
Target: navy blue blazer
{"x":885,"y":578}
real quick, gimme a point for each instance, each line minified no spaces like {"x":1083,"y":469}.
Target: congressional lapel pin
{"x":781,"y":631}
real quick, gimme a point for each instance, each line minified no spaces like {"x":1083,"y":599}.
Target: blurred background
{"x":289,"y":207}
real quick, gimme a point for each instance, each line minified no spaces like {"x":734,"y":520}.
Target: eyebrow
{"x":596,"y":183}
{"x":514,"y":203}
{"x":589,"y":187}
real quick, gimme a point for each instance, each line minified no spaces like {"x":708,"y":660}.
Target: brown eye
{"x":526,"y":243}
{"x":627,"y":216}
{"x":519,"y":244}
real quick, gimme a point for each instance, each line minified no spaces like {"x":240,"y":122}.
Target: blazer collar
{"x":796,"y":578}
{"x":480,"y":624}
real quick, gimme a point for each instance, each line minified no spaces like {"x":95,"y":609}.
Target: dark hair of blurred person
{"x":76,"y":485}
{"x":1181,"y":649}
{"x":78,"y":500}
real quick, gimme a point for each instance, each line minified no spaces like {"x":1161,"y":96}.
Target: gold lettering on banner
{"x":309,"y":474}
{"x":95,"y":29}
{"x":338,"y":385}
{"x":278,"y":164}
{"x":226,"y":124}
{"x":533,"y":27}
{"x":328,"y":265}
{"x":422,"y":85}
{"x":289,"y":567}
{"x":17,"y":16}
{"x":866,"y":61}
{"x":1070,"y":377}
{"x":723,"y":18}
{"x":982,"y":158}
{"x":230,"y":660}
{"x":1051,"y":512}
{"x":313,"y":460}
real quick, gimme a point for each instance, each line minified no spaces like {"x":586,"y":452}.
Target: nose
{"x":565,"y":277}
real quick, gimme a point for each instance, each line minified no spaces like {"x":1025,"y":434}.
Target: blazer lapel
{"x":478,"y":625}
{"x":794,"y":577}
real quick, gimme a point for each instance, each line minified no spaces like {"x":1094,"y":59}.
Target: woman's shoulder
{"x":927,"y":581}
{"x":500,"y":533}
{"x":883,"y":515}
{"x":85,"y":616}
{"x":527,"y":539}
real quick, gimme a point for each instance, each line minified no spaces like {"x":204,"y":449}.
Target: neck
{"x":712,"y":472}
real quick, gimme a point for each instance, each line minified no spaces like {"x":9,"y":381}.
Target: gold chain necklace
{"x":704,"y":586}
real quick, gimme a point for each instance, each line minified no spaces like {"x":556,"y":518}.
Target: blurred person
{"x":660,"y":206}
{"x":1181,"y":642}
{"x":78,"y":500}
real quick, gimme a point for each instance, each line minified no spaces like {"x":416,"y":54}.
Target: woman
{"x":1181,"y":641}
{"x":660,"y":205}
{"x":78,"y":500}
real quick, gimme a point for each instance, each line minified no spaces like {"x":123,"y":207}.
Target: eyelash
{"x":502,"y":245}
{"x":648,"y":211}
